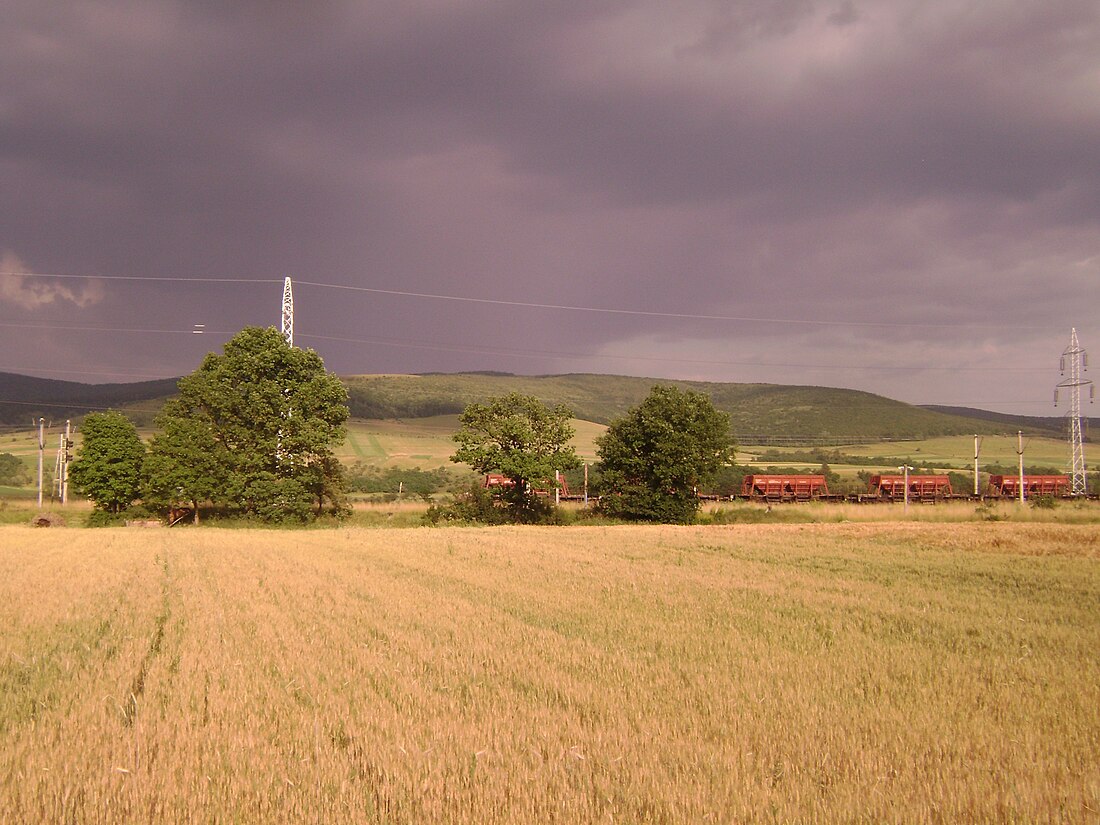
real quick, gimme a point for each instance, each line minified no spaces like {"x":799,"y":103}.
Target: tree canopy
{"x":253,"y":429}
{"x":185,"y":464}
{"x":652,"y":459}
{"x":520,"y":438}
{"x":108,"y":465}
{"x":13,"y":471}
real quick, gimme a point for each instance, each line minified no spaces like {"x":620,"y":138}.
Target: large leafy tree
{"x":108,"y":465}
{"x":652,"y":459}
{"x":186,"y":465}
{"x":254,"y":428}
{"x":522,"y":439}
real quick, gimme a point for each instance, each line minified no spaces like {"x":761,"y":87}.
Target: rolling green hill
{"x":771,"y":410}
{"x":754,"y":408}
{"x":1056,"y":425}
{"x":23,"y":398}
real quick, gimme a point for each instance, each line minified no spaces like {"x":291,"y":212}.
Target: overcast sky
{"x":900,"y":197}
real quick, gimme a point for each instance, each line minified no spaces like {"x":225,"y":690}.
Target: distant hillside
{"x":1055,"y":425}
{"x":821,"y":413}
{"x":23,"y":398}
{"x":754,"y":408}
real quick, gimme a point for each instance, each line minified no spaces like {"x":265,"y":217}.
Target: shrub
{"x":476,"y":505}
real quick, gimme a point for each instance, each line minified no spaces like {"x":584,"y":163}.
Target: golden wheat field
{"x":780,"y":673}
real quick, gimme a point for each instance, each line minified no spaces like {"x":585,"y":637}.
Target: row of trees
{"x":251,"y":432}
{"x":651,"y":460}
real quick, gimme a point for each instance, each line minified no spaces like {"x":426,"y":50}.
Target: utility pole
{"x":1078,"y":363}
{"x":977,"y":449}
{"x":906,"y":468}
{"x":61,"y":466}
{"x":586,"y":484}
{"x":1020,"y":453}
{"x":66,"y":456}
{"x":41,"y":451}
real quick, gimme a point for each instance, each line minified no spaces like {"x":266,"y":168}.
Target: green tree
{"x":265,"y":416}
{"x":185,"y":466}
{"x":522,"y":439}
{"x":107,"y":469}
{"x":652,"y":459}
{"x":13,"y":471}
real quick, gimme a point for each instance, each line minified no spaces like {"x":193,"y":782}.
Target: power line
{"x":649,"y":313}
{"x":23,"y":370}
{"x":521,"y":353}
{"x":78,"y":405}
{"x":163,"y":278}
{"x":78,"y":328}
{"x":531,"y":304}
{"x":657,"y":358}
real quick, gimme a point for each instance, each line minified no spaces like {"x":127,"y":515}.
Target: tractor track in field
{"x":130,"y":702}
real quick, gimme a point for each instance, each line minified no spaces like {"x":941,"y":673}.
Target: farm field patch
{"x":958,"y":451}
{"x":810,"y":673}
{"x":426,"y":442}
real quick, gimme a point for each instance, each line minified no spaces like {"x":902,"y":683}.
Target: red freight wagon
{"x":921,"y":488}
{"x":1008,"y":486}
{"x":495,"y":480}
{"x":784,"y":488}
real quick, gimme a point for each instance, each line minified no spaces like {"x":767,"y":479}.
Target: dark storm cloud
{"x":931,"y":166}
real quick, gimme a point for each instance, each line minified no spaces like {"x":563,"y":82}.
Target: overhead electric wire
{"x":77,"y":328}
{"x":205,"y":279}
{"x":534,"y":305}
{"x":79,"y":405}
{"x":522,"y":353}
{"x":529,"y":304}
{"x":649,"y":313}
{"x":21,"y":370}
{"x":704,"y":362}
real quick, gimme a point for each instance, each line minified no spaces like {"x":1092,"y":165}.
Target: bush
{"x":476,"y":505}
{"x":363,"y":478}
{"x":105,"y":518}
{"x":278,"y":500}
{"x":987,"y":512}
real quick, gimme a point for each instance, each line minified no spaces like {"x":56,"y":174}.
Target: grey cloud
{"x":33,"y":293}
{"x":910,"y":162}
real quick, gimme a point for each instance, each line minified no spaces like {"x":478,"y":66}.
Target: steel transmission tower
{"x":287,"y":327}
{"x":1078,"y":362}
